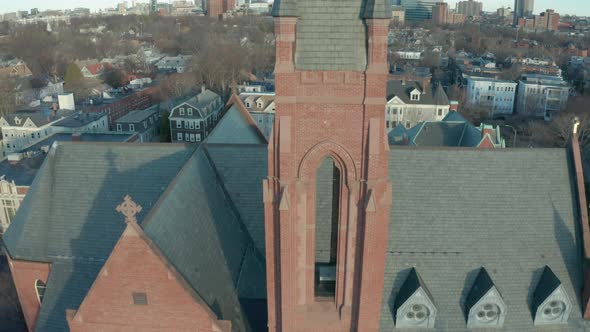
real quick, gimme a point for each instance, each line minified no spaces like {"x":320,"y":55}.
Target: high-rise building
{"x":523,"y":8}
{"x":218,"y":7}
{"x":398,"y":15}
{"x":418,"y":10}
{"x":470,"y":8}
{"x":440,"y":13}
{"x":153,"y":6}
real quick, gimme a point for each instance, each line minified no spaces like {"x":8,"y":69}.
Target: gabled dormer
{"x":551,"y":305}
{"x":414,"y":306}
{"x":3,"y":122}
{"x":17,"y":120}
{"x":415,"y":94}
{"x":484,"y":306}
{"x":29,"y":123}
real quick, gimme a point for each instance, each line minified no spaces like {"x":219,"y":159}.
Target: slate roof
{"x":80,"y":119}
{"x":547,"y":284}
{"x":237,"y":127}
{"x":412,"y":283}
{"x":205,"y":240}
{"x":481,"y":286}
{"x":139,"y":115}
{"x":458,"y":210}
{"x":452,"y":131}
{"x":22,"y":172}
{"x":199,"y":101}
{"x":430,"y":95}
{"x":39,"y":117}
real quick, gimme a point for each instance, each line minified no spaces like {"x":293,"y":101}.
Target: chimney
{"x":203,"y":88}
{"x":77,"y":137}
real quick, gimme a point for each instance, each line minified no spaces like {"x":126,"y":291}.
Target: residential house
{"x":117,"y":105}
{"x":541,"y":95}
{"x":27,"y":127}
{"x":15,"y":69}
{"x":82,"y":122}
{"x":325,"y":228}
{"x":95,"y":70}
{"x":194,"y":118}
{"x":261,"y":107}
{"x":145,"y":123}
{"x":453,"y":131}
{"x":174,"y":64}
{"x":409,"y":103}
{"x":494,"y":95}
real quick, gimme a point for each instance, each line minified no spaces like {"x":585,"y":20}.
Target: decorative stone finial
{"x":576,"y":127}
{"x":129,"y":209}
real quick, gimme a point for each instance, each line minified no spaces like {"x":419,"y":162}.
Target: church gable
{"x":139,"y":289}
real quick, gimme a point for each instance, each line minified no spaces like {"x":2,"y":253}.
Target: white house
{"x":541,"y":95}
{"x":261,"y":106}
{"x":495,"y":95}
{"x":409,"y":103}
{"x":174,"y":63}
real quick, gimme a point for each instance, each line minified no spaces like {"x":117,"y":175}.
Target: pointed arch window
{"x":40,"y":290}
{"x":328,"y":179}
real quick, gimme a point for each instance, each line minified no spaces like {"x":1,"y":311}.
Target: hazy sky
{"x":578,"y":7}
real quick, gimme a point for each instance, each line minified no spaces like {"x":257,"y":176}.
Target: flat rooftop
{"x":79,"y":119}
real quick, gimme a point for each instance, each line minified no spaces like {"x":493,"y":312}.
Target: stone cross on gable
{"x":129,"y":209}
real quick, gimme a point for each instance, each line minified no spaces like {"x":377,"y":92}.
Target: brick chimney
{"x":77,"y":137}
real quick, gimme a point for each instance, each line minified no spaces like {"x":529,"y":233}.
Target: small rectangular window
{"x":139,"y":298}
{"x":131,"y":127}
{"x":186,"y":124}
{"x":190,"y":112}
{"x":179,"y":137}
{"x":198,"y":125}
{"x":192,"y":125}
{"x":198,"y":137}
{"x":178,"y":124}
{"x":181,"y":111}
{"x":119,"y":127}
{"x":187,"y":137}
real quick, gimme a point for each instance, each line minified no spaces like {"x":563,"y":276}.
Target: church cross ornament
{"x":129,"y":209}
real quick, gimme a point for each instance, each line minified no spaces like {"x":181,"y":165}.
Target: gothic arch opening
{"x":327,"y":216}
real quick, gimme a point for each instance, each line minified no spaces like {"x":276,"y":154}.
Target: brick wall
{"x":117,"y":109}
{"x":25,"y":274}
{"x":134,"y":268}
{"x":319,"y":114}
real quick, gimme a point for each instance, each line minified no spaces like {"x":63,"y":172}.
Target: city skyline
{"x":564,"y":7}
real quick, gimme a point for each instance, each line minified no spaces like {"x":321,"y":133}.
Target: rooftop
{"x":138,"y":116}
{"x":79,"y":119}
{"x":87,"y":137}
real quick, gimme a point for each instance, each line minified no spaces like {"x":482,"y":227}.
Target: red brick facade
{"x":216,"y":8}
{"x":117,"y":109}
{"x":134,"y":267}
{"x":25,"y":274}
{"x":320,"y":114}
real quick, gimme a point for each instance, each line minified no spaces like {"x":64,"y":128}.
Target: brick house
{"x":193,"y":119}
{"x":120,"y":106}
{"x":325,"y":227}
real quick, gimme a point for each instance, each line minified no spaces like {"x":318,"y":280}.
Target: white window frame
{"x":131,"y":127}
{"x":181,"y":111}
{"x":189,"y":112}
{"x":186,"y":124}
{"x":198,"y":137}
{"x":178,"y":124}
{"x":179,"y":137}
{"x":119,"y":127}
{"x":198,"y":125}
{"x":192,"y":137}
{"x":192,"y":125}
{"x":44,"y":287}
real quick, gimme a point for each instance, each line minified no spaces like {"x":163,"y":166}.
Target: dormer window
{"x":551,"y":304}
{"x":415,"y":95}
{"x":181,"y":110}
{"x":248,"y":104}
{"x":189,"y":112}
{"x":40,"y":290}
{"x":484,"y":305}
{"x":414,"y":306}
{"x":17,"y":120}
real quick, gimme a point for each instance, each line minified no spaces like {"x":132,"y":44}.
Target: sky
{"x":578,"y":7}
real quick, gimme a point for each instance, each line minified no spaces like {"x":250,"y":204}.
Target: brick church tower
{"x":327,"y":195}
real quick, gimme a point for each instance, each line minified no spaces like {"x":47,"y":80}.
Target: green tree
{"x":165,"y":128}
{"x":73,"y":75}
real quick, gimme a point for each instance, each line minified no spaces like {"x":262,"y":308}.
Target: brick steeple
{"x":331,"y":73}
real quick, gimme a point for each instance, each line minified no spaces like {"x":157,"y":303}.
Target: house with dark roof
{"x":409,"y":103}
{"x":145,"y":123}
{"x":324,"y":227}
{"x":453,"y":130}
{"x":193,"y":118}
